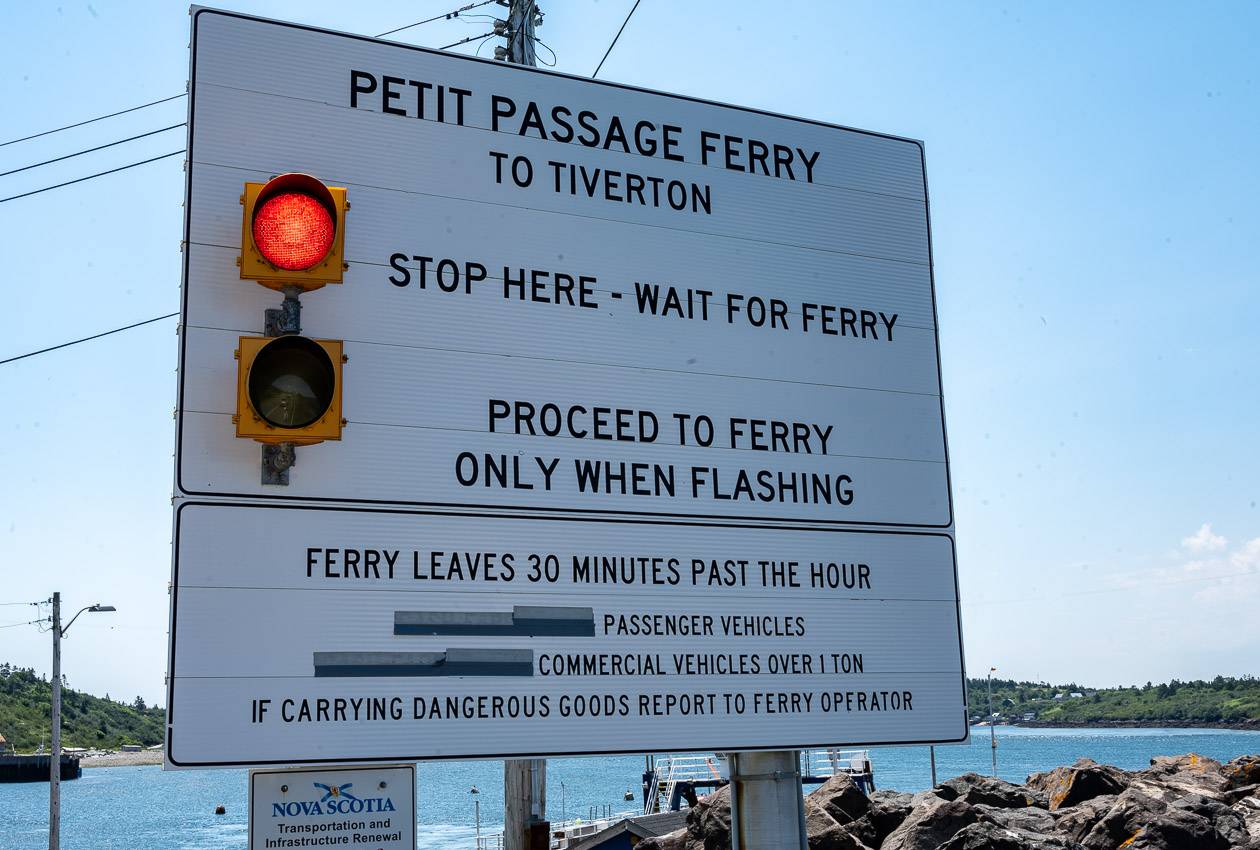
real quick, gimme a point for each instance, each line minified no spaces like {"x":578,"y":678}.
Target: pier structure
{"x":36,"y":768}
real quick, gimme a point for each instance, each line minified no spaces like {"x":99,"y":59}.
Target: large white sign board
{"x":789,"y":371}
{"x":361,"y":808}
{"x":328,"y":634}
{"x":661,"y":328}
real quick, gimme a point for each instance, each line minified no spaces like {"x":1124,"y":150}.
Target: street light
{"x":477,"y":808}
{"x":54,"y":773}
{"x":992,"y":734}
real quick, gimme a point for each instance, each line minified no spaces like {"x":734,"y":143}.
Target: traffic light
{"x":288,"y":389}
{"x":293,"y":232}
{"x":288,"y":386}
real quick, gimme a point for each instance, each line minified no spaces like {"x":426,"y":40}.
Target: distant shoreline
{"x":1237,"y":726}
{"x":152,"y":757}
{"x":123,"y":759}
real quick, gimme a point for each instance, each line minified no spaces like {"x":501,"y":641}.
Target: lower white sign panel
{"x":394,"y":635}
{"x":370,"y":808}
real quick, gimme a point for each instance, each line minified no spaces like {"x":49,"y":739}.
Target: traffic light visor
{"x":291,"y":382}
{"x":294,"y":222}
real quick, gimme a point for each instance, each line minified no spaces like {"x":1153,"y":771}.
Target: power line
{"x":90,"y":177}
{"x":90,"y":120}
{"x":614,"y":41}
{"x":466,"y":40}
{"x":537,"y":40}
{"x":452,"y":14}
{"x":448,"y":15}
{"x":27,"y":623}
{"x":86,"y":339}
{"x":90,"y":150}
{"x":482,"y":43}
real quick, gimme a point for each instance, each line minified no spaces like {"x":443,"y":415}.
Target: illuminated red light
{"x":293,"y":231}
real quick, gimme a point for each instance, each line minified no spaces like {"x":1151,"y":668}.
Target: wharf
{"x":36,"y":768}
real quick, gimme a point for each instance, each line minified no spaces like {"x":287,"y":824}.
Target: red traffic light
{"x":290,"y":231}
{"x":293,"y":231}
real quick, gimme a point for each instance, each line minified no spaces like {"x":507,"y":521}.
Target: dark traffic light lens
{"x":291,"y":382}
{"x":293,"y":230}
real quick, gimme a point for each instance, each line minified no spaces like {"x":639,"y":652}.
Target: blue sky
{"x":1093,"y":177}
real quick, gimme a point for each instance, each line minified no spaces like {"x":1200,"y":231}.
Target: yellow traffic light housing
{"x":293,"y":232}
{"x":288,"y":389}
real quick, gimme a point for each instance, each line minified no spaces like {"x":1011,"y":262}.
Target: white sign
{"x":369,"y":807}
{"x":317,"y":634}
{"x":570,"y":342}
{"x":646,"y":446}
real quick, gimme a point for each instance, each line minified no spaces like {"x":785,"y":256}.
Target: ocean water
{"x":144,"y":808}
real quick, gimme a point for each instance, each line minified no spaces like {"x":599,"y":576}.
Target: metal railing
{"x":817,"y":764}
{"x":600,"y":818}
{"x":829,"y":762}
{"x":673,"y":769}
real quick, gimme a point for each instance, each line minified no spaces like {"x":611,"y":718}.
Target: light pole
{"x":477,"y":814}
{"x":992,"y":734}
{"x":54,"y":772}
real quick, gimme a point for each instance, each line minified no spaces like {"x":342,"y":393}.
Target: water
{"x":144,"y":808}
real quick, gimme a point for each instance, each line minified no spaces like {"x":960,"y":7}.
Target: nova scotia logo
{"x":336,"y":800}
{"x":335,"y":791}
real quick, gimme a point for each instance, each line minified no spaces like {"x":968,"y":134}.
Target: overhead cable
{"x":552,"y":63}
{"x":614,"y":41}
{"x":92,"y":176}
{"x":86,"y":339}
{"x":452,"y":14}
{"x":466,"y":40}
{"x":90,"y":150}
{"x":90,"y":120}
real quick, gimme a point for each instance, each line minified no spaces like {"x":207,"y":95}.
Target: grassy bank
{"x":87,"y":721}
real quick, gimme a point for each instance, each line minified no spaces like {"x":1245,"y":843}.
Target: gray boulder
{"x":1188,"y":774}
{"x":988,"y":790}
{"x":1227,"y":823}
{"x":1075,"y":822}
{"x":990,"y":836}
{"x":1234,"y":795}
{"x":841,"y":798}
{"x":824,"y":833}
{"x":930,"y":825}
{"x":886,"y":812}
{"x":1248,"y":808}
{"x":1242,"y":771}
{"x":709,"y":821}
{"x":1084,"y":780}
{"x":1139,"y":822}
{"x":1029,"y":818}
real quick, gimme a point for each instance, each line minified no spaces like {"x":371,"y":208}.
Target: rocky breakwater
{"x":1179,"y":803}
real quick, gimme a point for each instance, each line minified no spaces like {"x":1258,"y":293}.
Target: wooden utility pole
{"x":525,"y":825}
{"x":521,"y":16}
{"x":54,"y":768}
{"x":54,"y":772}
